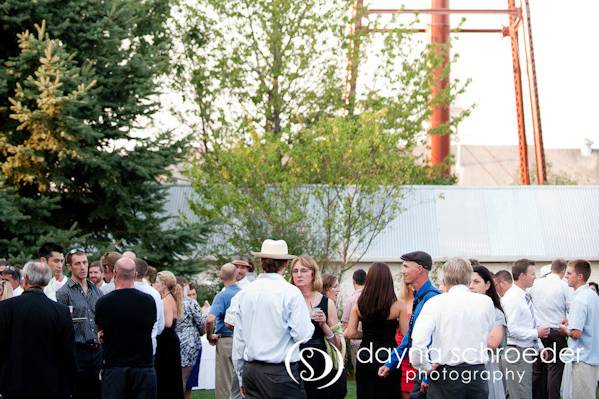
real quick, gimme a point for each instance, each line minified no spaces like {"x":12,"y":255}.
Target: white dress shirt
{"x":521,"y":325}
{"x":459,"y":323}
{"x":53,"y":286}
{"x":551,"y":298}
{"x":108,"y":287}
{"x":272,"y":317}
{"x":159,"y":324}
{"x":17,"y":291}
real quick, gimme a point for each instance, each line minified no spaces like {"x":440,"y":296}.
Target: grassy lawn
{"x":351,"y":392}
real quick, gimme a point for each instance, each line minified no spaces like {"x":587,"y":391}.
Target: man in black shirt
{"x":125,"y":318}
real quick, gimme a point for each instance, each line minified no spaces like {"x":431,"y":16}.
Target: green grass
{"x":351,"y":392}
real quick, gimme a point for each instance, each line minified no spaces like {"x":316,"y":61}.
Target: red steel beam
{"x":439,"y":11}
{"x":424,"y":30}
{"x":522,"y":146}
{"x":534,"y":94}
{"x":440,"y":30}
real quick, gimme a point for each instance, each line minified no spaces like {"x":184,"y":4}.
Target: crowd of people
{"x":117,"y":329}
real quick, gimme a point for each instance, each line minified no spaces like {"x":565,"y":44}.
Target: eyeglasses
{"x":76,"y":250}
{"x":301,"y":271}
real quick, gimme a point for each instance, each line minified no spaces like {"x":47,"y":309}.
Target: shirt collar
{"x":425,"y":287}
{"x":581,"y":288}
{"x":71,"y":283}
{"x":457,"y":288}
{"x":33,"y":290}
{"x":271,"y":276}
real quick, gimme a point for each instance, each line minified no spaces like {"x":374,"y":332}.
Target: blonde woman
{"x":305,"y":275}
{"x":168,"y":352}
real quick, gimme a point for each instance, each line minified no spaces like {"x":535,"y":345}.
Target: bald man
{"x":125,"y":318}
{"x":223,"y":339}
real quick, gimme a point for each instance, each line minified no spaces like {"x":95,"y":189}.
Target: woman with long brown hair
{"x":168,"y":350}
{"x":379,"y":310}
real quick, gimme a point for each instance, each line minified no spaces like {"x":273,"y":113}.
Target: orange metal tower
{"x":440,"y":31}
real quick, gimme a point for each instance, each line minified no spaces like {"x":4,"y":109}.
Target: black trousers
{"x":463,"y":381}
{"x":547,"y":377}
{"x":87,"y":381}
{"x":129,"y":383}
{"x":271,"y":381}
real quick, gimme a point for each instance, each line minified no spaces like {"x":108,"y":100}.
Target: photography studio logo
{"x":309,"y":374}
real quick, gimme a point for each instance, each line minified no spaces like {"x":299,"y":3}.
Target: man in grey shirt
{"x":81,"y":295}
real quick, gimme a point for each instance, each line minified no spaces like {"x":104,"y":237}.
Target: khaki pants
{"x":584,"y":380}
{"x":224,"y":367}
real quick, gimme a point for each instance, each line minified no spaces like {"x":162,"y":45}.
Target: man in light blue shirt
{"x":272,"y":320}
{"x":223,"y":339}
{"x":582,"y":328}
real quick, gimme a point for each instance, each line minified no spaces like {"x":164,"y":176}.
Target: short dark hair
{"x":359,"y":277}
{"x":3,"y":262}
{"x":558,"y":265}
{"x":581,"y":266}
{"x":45,"y":251}
{"x":273,"y":265}
{"x":72,"y":252}
{"x":141,"y":267}
{"x":520,"y":267}
{"x":504,"y":275}
{"x":97,"y":264}
{"x":594,"y":284}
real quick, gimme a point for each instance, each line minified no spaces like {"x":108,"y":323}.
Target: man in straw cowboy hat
{"x":272,"y":318}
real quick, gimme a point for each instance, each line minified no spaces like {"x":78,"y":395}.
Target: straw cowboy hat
{"x":272,"y":249}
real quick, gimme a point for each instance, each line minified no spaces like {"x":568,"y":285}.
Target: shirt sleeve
{"x":299,"y":319}
{"x":577,"y":317}
{"x":196,"y":314}
{"x":398,"y":354}
{"x":62,"y":297}
{"x":347,"y":310}
{"x":513,"y":314}
{"x":421,"y":337}
{"x":218,"y":306}
{"x":231,"y":313}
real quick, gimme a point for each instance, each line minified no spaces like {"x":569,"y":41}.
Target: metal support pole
{"x":522,"y":146}
{"x":353,"y":56}
{"x":440,"y":116}
{"x":534,"y":94}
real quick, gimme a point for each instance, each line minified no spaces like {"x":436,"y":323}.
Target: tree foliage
{"x":74,"y":93}
{"x":283,"y":154}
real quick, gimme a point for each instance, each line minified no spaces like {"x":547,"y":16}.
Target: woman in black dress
{"x":168,"y":352}
{"x":378,"y":309}
{"x":306,"y":276}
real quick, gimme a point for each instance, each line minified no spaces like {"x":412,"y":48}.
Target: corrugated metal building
{"x":495,"y":225}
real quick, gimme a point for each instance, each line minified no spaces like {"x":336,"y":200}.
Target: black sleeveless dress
{"x":316,"y":361}
{"x":377,"y":334}
{"x":168,"y":364}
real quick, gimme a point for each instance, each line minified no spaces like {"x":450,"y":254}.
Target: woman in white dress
{"x":481,"y":282}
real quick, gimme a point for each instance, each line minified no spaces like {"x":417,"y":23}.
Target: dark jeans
{"x":271,"y":381}
{"x":463,"y":381}
{"x":547,"y":377}
{"x":87,"y":381}
{"x":128,"y":383}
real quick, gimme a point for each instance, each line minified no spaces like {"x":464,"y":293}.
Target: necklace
{"x":165,"y":295}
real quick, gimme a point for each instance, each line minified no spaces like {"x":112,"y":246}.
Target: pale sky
{"x":567,"y":64}
{"x":566,"y":59}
